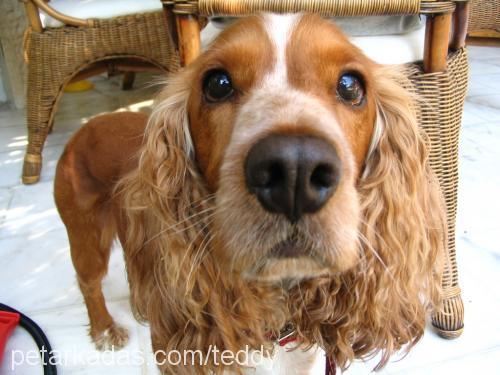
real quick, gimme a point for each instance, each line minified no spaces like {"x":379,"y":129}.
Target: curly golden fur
{"x":193,"y":272}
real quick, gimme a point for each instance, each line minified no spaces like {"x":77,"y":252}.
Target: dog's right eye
{"x":217,"y":86}
{"x":350,"y":89}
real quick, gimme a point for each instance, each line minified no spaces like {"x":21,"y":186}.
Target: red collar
{"x":289,"y":334}
{"x":286,"y":335}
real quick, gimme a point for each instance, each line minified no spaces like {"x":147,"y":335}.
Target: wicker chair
{"x":441,"y":80}
{"x":77,"y":50}
{"x":484,"y":20}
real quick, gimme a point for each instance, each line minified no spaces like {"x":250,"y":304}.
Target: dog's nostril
{"x":322,"y":177}
{"x":277,"y":174}
{"x":260,"y":178}
{"x":267,"y":175}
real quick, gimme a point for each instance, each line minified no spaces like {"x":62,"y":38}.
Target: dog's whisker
{"x":374,"y":231}
{"x":368,"y":244}
{"x":192,"y":244}
{"x":192,"y":225}
{"x":377,"y":256}
{"x":197,"y":259}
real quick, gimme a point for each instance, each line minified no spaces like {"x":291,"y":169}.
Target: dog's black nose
{"x":292,"y":174}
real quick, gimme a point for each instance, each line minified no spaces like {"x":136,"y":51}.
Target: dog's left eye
{"x":217,"y":86}
{"x":350,"y":89}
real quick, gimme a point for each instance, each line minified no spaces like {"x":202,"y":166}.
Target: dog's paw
{"x":112,"y":338}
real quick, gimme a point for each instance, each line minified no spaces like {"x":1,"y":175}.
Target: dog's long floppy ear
{"x":381,"y":304}
{"x":162,"y":198}
{"x":403,"y":226}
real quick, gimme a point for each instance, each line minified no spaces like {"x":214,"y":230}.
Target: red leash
{"x":330,"y":368}
{"x":8,"y":321}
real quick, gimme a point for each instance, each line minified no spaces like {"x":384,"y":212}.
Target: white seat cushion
{"x":393,"y":49}
{"x":406,"y":47}
{"x":98,"y":9}
{"x":378,"y":25}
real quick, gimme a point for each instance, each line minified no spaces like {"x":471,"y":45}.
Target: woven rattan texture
{"x":326,"y":7}
{"x":55,"y":55}
{"x":339,"y":7}
{"x":484,"y":15}
{"x":442,"y":96}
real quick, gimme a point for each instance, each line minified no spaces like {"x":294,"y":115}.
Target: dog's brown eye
{"x":350,"y":89}
{"x":217,"y":86}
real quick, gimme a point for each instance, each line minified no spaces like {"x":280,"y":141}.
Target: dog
{"x":281,"y":179}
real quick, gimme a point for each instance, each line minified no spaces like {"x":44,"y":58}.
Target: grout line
{"x":3,"y":218}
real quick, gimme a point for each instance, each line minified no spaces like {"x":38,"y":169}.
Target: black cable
{"x":49,"y":367}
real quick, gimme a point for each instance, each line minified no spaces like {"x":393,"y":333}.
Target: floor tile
{"x":5,"y":198}
{"x":483,"y":85}
{"x":490,"y":54}
{"x":11,"y":165}
{"x":13,"y":138}
{"x":476,"y":112}
{"x":86,"y":103}
{"x":32,"y":211}
{"x":472,"y":115}
{"x":485,"y":362}
{"x":40,"y":268}
{"x":489,"y":102}
{"x":481,"y":68}
{"x":477,"y":220}
{"x":12,"y":118}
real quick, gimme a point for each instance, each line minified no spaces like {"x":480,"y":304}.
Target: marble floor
{"x":37,"y":278}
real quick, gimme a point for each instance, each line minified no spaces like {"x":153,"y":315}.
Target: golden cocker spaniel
{"x":280,"y":179}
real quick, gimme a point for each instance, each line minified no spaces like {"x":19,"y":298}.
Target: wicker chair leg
{"x":31,"y":168}
{"x":128,"y":81}
{"x":442,"y":95}
{"x":449,"y":321}
{"x":38,"y":114}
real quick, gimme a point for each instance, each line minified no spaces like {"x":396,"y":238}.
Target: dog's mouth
{"x":289,"y":248}
{"x":290,"y":259}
